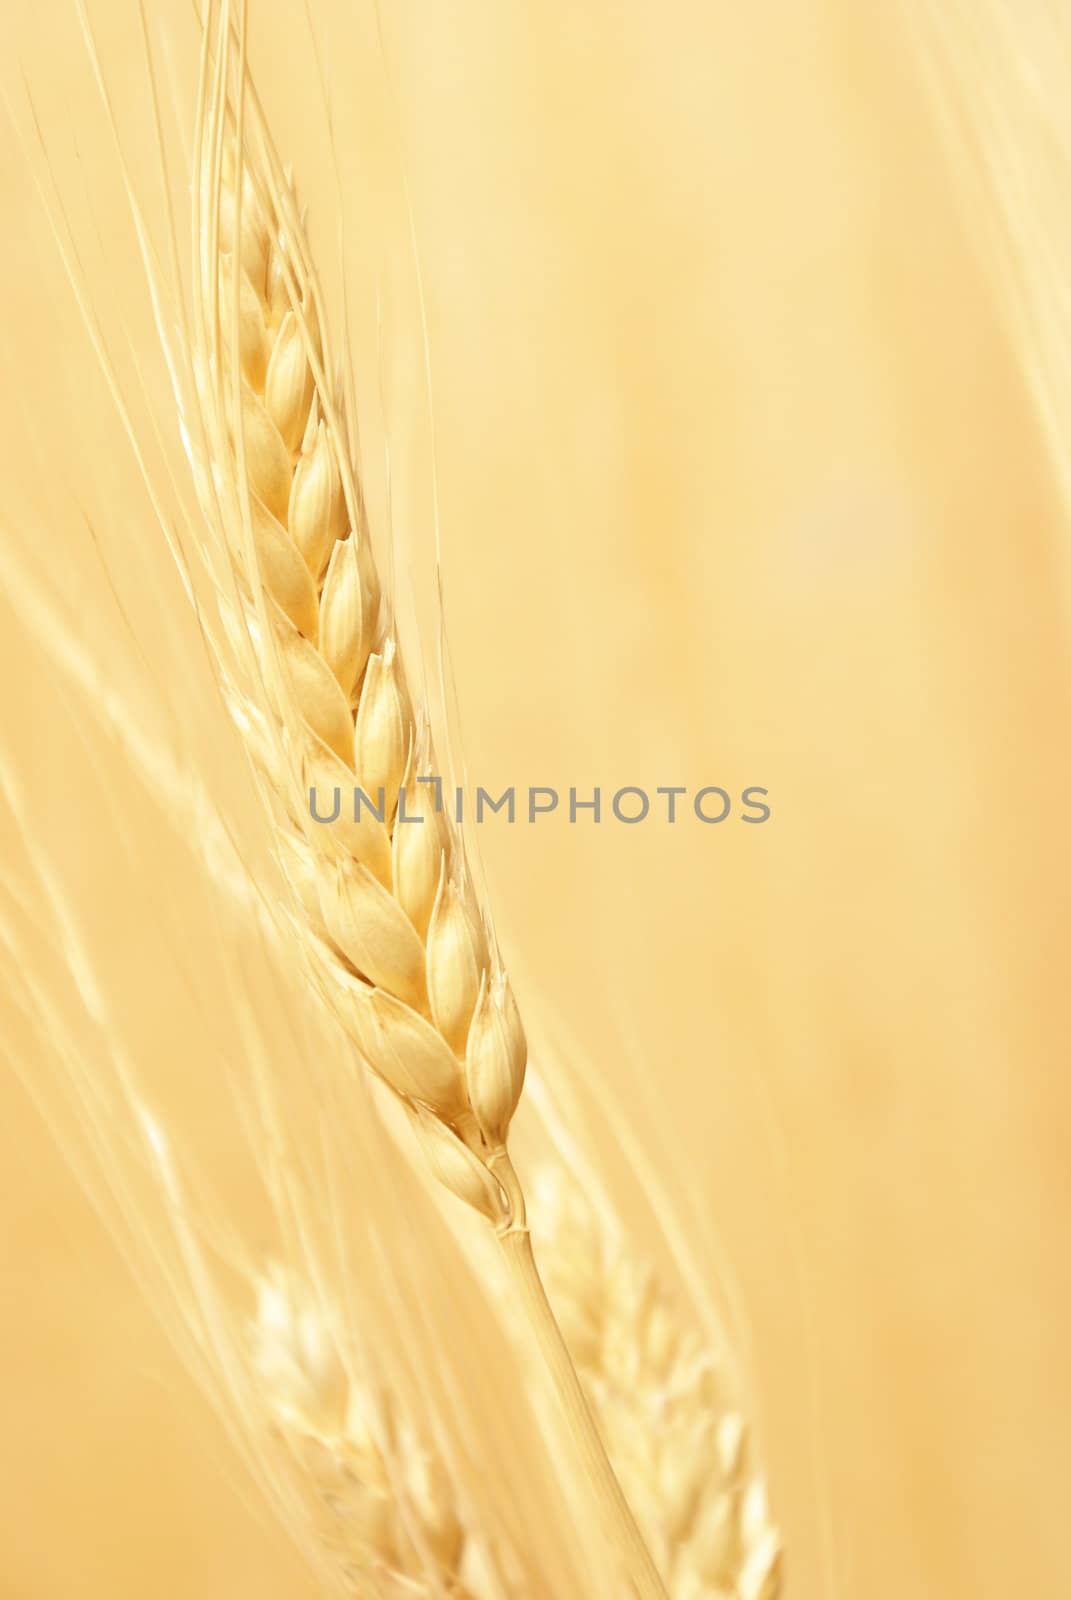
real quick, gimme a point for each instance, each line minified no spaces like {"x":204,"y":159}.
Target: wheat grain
{"x":677,"y":1441}
{"x":391,"y":931}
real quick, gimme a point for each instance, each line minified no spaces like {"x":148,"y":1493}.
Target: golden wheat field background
{"x":746,"y":436}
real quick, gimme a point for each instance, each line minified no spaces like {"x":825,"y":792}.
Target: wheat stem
{"x":591,"y":1457}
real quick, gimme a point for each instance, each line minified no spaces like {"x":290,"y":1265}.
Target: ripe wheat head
{"x":388,"y":923}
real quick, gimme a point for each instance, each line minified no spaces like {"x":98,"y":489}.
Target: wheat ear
{"x":678,"y":1442}
{"x":394,"y":938}
{"x":383,"y":1507}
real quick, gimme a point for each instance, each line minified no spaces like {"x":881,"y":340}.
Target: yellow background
{"x":739,"y":482}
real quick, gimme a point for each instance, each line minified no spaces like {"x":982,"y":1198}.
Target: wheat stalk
{"x":678,"y":1443}
{"x":390,"y":926}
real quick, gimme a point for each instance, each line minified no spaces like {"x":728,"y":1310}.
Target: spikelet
{"x":678,"y":1443}
{"x":495,"y":1057}
{"x":383,"y":730}
{"x":457,"y":961}
{"x":370,"y":927}
{"x":418,"y":846}
{"x":253,"y":242}
{"x":407,"y":1052}
{"x":316,"y":691}
{"x":316,"y":509}
{"x":381,"y":1507}
{"x":348,"y":611}
{"x":266,"y":459}
{"x":283,"y":573}
{"x":454,"y":1164}
{"x":288,"y":386}
{"x":252,"y":334}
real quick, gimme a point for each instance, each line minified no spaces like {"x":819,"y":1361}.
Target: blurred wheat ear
{"x":381,"y":1503}
{"x":384,"y":915}
{"x":663,"y":1403}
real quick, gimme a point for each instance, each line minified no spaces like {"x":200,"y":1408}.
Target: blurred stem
{"x":594,"y":1463}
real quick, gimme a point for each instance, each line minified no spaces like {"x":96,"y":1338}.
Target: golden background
{"x":741,"y":481}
